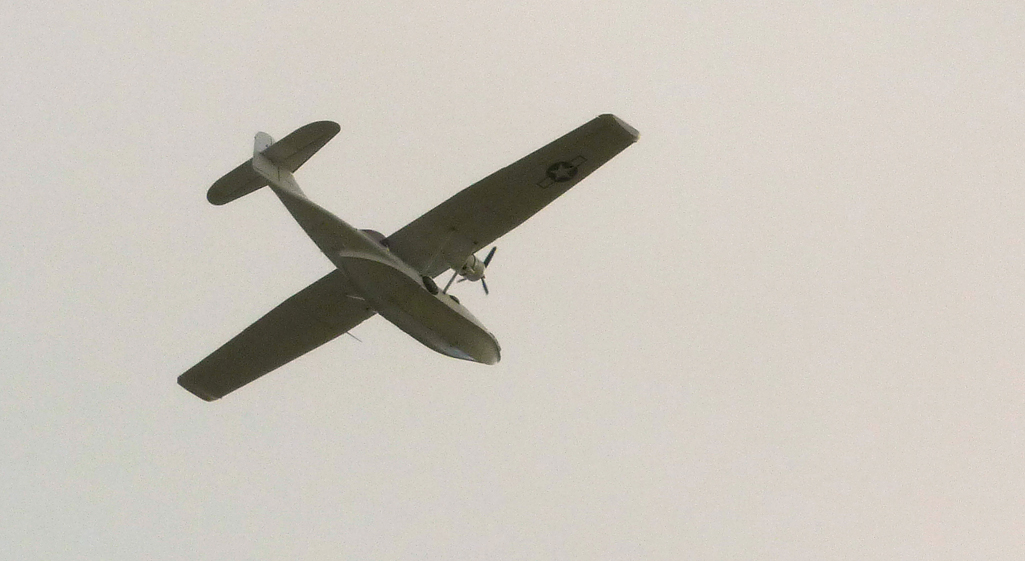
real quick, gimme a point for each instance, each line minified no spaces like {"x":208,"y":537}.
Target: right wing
{"x":484,"y":211}
{"x":313,"y":316}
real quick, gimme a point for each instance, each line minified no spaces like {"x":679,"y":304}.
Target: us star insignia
{"x":561,"y":172}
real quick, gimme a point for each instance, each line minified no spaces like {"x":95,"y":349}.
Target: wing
{"x":313,"y":316}
{"x":481,"y":213}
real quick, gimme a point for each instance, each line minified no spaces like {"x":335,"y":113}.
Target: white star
{"x":563,"y":172}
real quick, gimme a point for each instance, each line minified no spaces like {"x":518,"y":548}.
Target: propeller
{"x":449,"y":283}
{"x":487,"y":259}
{"x":483,"y":283}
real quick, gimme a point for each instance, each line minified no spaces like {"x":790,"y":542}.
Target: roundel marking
{"x":560,"y":172}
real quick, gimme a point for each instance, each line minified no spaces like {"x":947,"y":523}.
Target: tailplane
{"x":289,"y":154}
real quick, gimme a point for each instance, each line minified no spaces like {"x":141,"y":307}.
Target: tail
{"x":289,"y":153}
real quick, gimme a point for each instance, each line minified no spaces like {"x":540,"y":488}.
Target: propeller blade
{"x":487,"y":259}
{"x":449,"y":283}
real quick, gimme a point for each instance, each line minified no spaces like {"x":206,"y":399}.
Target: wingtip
{"x":197,"y":391}
{"x":623,"y":125}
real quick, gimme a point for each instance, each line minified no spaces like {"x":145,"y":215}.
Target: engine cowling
{"x":473,"y":269}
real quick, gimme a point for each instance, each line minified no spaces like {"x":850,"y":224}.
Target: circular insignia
{"x":560,"y":172}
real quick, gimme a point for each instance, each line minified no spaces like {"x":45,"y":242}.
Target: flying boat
{"x":392,"y":276}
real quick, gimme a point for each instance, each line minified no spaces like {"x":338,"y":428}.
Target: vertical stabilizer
{"x":263,"y":141}
{"x":274,"y":172}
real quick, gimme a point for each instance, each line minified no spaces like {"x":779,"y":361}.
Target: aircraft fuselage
{"x":392,"y":287}
{"x":396,"y":291}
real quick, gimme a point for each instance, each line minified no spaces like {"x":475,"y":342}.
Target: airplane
{"x":392,"y":276}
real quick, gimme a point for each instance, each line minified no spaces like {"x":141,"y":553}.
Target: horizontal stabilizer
{"x":290,"y":153}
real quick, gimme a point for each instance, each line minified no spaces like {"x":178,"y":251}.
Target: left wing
{"x":484,"y":211}
{"x":313,"y":316}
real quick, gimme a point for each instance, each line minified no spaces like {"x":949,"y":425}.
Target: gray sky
{"x":786,"y":324}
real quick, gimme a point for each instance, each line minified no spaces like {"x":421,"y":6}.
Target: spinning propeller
{"x":473,"y":269}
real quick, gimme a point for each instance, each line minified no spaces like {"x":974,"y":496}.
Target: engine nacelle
{"x":472,"y":269}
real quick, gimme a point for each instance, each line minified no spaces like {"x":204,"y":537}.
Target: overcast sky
{"x":786,"y":324}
